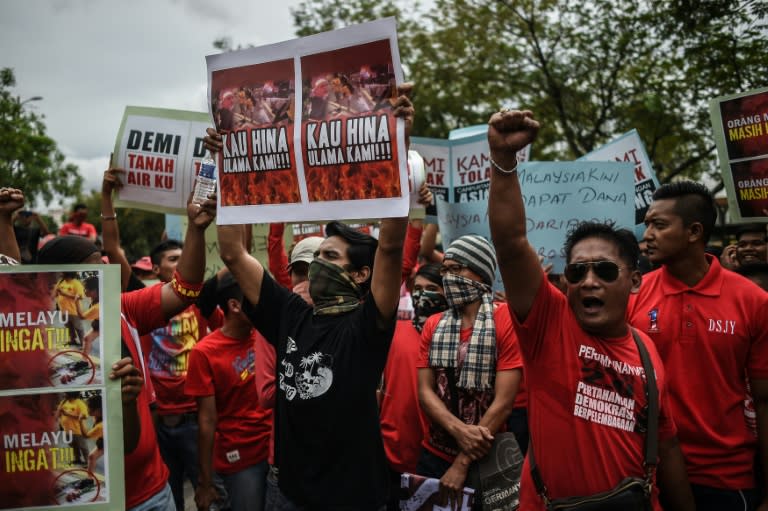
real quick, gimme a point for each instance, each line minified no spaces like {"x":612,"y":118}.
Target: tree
{"x":589,"y":70}
{"x":29,"y":159}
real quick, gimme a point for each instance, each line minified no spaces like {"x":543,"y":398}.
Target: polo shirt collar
{"x":710,"y":285}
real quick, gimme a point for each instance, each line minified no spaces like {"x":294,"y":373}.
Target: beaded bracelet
{"x":109,"y":217}
{"x":183,"y":289}
{"x":501,"y":169}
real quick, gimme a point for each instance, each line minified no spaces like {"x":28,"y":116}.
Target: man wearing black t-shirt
{"x":330,"y":357}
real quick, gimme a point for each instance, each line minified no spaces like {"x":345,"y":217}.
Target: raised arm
{"x":110,"y":232}
{"x":246,"y":269}
{"x":508,"y":132}
{"x":389,"y":255}
{"x":191,"y":268}
{"x":11,"y":199}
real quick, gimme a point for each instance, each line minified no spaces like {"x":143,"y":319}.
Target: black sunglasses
{"x":607,"y":271}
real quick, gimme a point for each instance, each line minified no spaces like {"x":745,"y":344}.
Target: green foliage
{"x":29,"y":159}
{"x":139,"y":230}
{"x":589,"y":70}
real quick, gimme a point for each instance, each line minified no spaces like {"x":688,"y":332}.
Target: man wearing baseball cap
{"x":298,"y":267}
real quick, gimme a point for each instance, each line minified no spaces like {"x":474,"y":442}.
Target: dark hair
{"x":79,"y":205}
{"x":72,"y":395}
{"x":94,"y":402}
{"x":95,"y":325}
{"x":625,"y":241}
{"x":91,"y":284}
{"x":66,"y":250}
{"x":431,"y":272}
{"x":362,"y":247}
{"x":69,"y":275}
{"x":699,"y":205}
{"x":164,"y":246}
{"x":749,"y":228}
{"x":226,"y":289}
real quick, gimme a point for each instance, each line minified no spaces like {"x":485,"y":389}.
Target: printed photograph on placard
{"x":254,"y":106}
{"x":53,"y":442}
{"x":749,"y":178}
{"x":745,"y":123}
{"x":348,"y":130}
{"x":50,"y":329}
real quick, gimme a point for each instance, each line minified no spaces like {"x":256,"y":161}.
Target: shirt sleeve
{"x":545,"y":316}
{"x":199,"y":380}
{"x":278,"y":259}
{"x":143,"y":308}
{"x":426,"y":340}
{"x":507,"y":347}
{"x":411,"y":250}
{"x":264,"y":372}
{"x":274,"y":302}
{"x":757,"y":359}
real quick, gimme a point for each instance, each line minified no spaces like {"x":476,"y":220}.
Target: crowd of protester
{"x":315,"y":379}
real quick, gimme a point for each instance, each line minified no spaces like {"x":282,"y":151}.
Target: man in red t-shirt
{"x":234,"y":427}
{"x":77,"y":226}
{"x":167,"y":352}
{"x":469,"y":367}
{"x":710,"y":326}
{"x":587,"y":405}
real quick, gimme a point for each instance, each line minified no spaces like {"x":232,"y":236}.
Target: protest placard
{"x":457,"y":219}
{"x":458,"y":169}
{"x":61,"y":424}
{"x":160,"y":150}
{"x":629,"y":148}
{"x":308,"y":128}
{"x":740,"y":124}
{"x":560,"y":195}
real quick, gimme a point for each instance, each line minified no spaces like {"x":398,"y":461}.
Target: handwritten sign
{"x":560,"y":195}
{"x":629,"y":148}
{"x":740,"y":124}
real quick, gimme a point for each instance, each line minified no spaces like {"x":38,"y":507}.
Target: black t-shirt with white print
{"x":328,"y":443}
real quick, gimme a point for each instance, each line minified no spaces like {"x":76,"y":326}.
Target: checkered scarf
{"x":479,"y":367}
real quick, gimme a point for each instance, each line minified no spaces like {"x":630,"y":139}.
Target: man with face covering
{"x":402,"y":422}
{"x":330,"y":356}
{"x":470,"y":366}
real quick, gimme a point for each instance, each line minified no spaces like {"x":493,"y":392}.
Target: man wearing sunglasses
{"x":710,"y":326}
{"x":587,"y":402}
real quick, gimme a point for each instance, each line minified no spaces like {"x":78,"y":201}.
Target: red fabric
{"x":708,"y":336}
{"x":265,"y":386}
{"x":475,"y":403}
{"x":278,"y":259}
{"x":145,"y":472}
{"x":403,"y":425}
{"x":85,"y":230}
{"x":566,"y":371}
{"x":411,"y":251}
{"x":167,"y":350}
{"x":224,"y":367}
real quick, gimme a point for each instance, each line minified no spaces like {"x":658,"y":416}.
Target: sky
{"x":89,"y":59}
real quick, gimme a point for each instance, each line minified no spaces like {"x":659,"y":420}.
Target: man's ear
{"x":637,"y":280}
{"x":695,"y":232}
{"x":361,"y":275}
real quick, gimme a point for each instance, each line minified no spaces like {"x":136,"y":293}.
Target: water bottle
{"x":205,"y":184}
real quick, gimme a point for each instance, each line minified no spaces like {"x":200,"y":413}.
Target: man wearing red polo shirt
{"x":711,"y":328}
